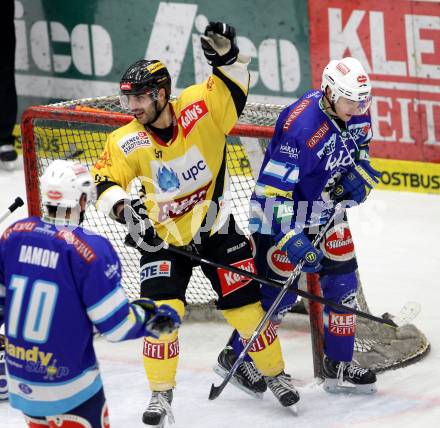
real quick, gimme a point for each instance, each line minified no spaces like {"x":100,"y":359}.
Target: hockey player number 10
{"x":38,"y":312}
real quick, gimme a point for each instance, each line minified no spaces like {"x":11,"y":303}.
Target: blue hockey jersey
{"x":56,"y":283}
{"x":307,"y":155}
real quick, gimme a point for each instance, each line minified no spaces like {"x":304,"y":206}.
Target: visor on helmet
{"x":347,"y":78}
{"x":151,"y":96}
{"x":361,"y":107}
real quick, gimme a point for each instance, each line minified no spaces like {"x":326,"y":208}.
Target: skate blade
{"x":335,"y":387}
{"x":222,"y":373}
{"x":294,"y":409}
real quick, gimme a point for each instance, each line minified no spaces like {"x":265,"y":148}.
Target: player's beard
{"x":152,"y":115}
{"x":146,"y":116}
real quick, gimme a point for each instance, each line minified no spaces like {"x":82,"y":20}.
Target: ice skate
{"x":283,"y":389}
{"x":348,"y":377}
{"x":247,"y":377}
{"x":159,"y":407}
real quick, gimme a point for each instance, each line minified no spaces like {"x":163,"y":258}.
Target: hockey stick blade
{"x":407,"y":314}
{"x":216,"y":391}
{"x":222,"y":372}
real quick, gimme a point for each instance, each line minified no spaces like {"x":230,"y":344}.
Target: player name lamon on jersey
{"x":38,"y":256}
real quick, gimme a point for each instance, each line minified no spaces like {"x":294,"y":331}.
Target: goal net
{"x":78,"y":130}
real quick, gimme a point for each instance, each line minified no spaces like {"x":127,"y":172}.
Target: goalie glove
{"x":357,"y":182}
{"x":161,"y":319}
{"x":219,"y":45}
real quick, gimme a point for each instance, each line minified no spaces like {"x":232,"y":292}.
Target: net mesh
{"x":377,"y":346}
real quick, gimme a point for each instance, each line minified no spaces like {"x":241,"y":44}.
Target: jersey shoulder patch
{"x":134,"y":141}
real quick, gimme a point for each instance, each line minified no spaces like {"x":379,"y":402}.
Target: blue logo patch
{"x":155,"y":269}
{"x":167,"y":179}
{"x":25,"y":389}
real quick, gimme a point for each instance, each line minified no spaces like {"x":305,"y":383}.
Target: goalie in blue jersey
{"x":318,"y":155}
{"x":57,"y":282}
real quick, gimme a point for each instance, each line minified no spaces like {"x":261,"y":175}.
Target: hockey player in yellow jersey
{"x":178,"y":151}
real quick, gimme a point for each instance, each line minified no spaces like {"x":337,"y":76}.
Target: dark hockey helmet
{"x":145,"y":75}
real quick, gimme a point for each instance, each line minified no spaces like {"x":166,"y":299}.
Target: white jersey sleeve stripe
{"x":41,"y":399}
{"x":109,"y":198}
{"x":54,"y":391}
{"x":119,"y":332}
{"x":140,"y":313}
{"x":107,"y":306}
{"x":238,"y":72}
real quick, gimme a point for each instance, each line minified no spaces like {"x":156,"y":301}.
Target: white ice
{"x":397,"y":237}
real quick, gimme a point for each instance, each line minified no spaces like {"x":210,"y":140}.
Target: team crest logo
{"x":167,"y":179}
{"x":328,"y":148}
{"x":279,"y":262}
{"x":338,"y":244}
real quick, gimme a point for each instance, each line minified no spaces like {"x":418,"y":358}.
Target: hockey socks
{"x":266,"y":350}
{"x":162,"y":355}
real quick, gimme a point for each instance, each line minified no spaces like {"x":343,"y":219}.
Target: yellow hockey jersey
{"x":179,"y":177}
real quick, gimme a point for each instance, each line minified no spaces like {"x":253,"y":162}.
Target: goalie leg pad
{"x":339,"y":327}
{"x":161,"y":355}
{"x":266,"y":350}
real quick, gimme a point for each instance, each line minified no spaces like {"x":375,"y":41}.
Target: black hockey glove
{"x":161,"y":319}
{"x":219,"y":45}
{"x":141,"y":232}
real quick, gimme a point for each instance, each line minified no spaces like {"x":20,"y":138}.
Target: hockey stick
{"x":217,"y":390}
{"x":17,"y":203}
{"x":278,"y":285}
{"x":408,"y":312}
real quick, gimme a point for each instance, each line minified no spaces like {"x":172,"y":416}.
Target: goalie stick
{"x":16,"y":204}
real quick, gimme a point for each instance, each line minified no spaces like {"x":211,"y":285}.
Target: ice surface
{"x":397,"y":238}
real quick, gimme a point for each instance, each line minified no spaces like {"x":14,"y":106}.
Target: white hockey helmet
{"x":64,"y":182}
{"x":347,"y":78}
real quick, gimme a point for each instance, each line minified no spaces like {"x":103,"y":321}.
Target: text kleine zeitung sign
{"x":398,"y":42}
